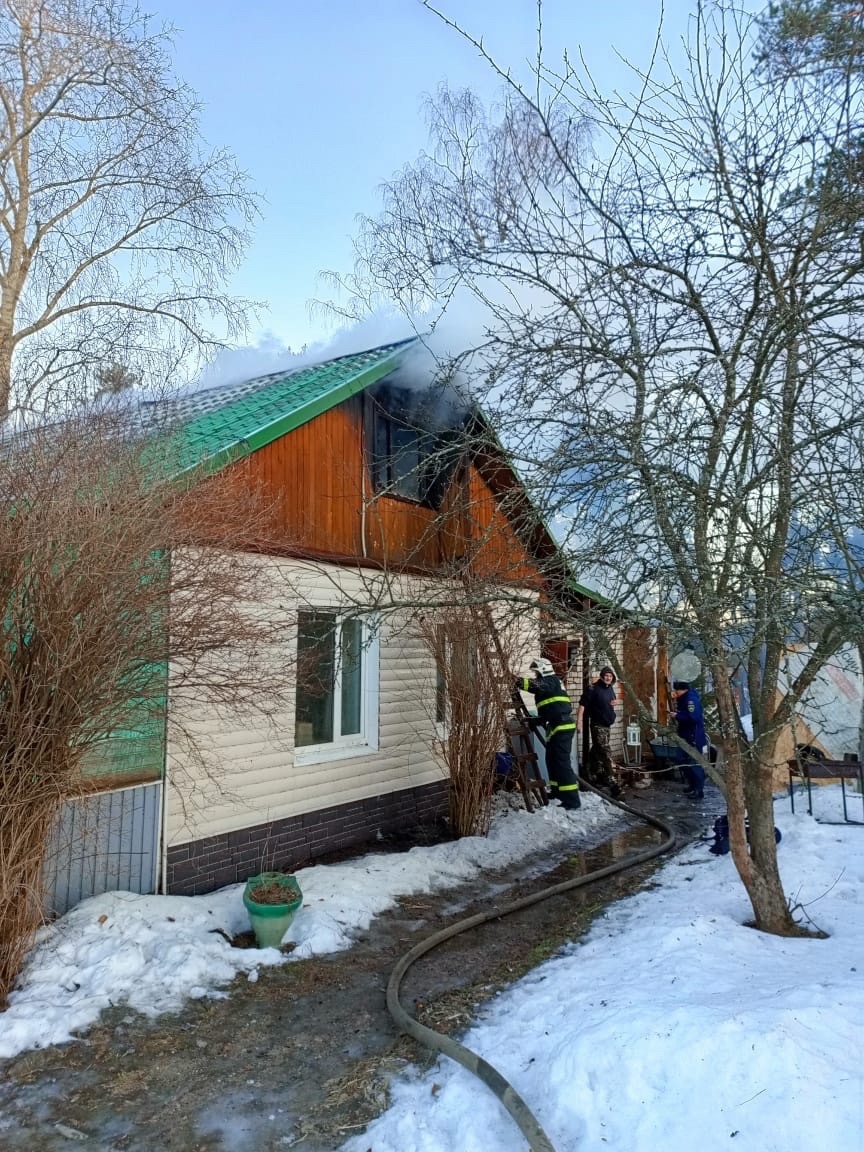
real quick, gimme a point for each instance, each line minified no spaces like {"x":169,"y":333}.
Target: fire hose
{"x":528,"y":1124}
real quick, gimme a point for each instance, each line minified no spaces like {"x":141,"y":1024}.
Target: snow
{"x":154,"y":952}
{"x":341,"y":901}
{"x":670,"y":1025}
{"x":150,"y":952}
{"x":673,"y":1025}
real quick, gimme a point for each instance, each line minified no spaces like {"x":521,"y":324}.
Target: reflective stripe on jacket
{"x":553,"y":704}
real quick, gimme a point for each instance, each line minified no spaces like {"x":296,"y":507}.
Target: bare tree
{"x":475,"y":640}
{"x":118,"y":228}
{"x":469,"y":710}
{"x":673,"y":345}
{"x":110,"y":575}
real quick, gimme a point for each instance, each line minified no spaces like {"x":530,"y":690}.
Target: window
{"x":414,"y":441}
{"x":397,"y":458}
{"x":456,"y":665}
{"x":336,"y":682}
{"x":440,"y":675}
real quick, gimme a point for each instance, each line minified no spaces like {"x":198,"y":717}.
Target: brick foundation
{"x":283,"y":845}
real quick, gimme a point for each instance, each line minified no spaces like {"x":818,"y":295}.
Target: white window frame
{"x":442,"y":726}
{"x":366,"y":740}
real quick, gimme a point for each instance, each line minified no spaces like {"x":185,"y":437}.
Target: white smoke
{"x":442,"y":337}
{"x":239,"y":364}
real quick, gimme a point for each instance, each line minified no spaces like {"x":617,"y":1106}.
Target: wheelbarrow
{"x":667,"y":757}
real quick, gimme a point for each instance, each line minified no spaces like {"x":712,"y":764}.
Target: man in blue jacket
{"x":691,"y":727}
{"x":555,"y":712}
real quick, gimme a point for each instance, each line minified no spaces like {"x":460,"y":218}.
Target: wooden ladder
{"x":526,"y":766}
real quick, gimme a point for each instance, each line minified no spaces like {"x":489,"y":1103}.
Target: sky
{"x":670,"y":1025}
{"x":323,"y":102}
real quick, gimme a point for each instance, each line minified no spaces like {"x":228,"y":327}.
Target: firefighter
{"x":555,"y":713}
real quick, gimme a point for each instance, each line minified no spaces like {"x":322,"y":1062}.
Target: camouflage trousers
{"x":602,"y":767}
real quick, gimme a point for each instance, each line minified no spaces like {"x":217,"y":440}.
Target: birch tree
{"x":673,"y":285}
{"x":118,"y":227}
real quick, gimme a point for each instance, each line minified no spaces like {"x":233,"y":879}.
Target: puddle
{"x":624,"y":844}
{"x":244,"y":1120}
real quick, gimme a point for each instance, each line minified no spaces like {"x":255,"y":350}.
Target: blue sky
{"x":323,"y":101}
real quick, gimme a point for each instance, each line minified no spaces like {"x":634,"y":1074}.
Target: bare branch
{"x":119,"y":228}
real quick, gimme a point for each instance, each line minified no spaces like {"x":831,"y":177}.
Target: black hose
{"x":528,"y":1124}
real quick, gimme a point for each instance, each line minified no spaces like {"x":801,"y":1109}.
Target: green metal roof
{"x":583,"y":590}
{"x":218,"y":425}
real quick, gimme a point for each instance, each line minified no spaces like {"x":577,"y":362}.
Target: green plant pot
{"x":270,"y":922}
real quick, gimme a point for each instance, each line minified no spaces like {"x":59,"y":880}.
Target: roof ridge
{"x":194,"y":397}
{"x":241,"y":418}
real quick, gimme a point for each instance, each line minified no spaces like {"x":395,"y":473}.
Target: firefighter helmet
{"x":542,"y":667}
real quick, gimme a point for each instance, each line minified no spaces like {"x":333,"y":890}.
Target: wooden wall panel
{"x":315,"y":474}
{"x":499,"y":553}
{"x":317,"y":479}
{"x":646,"y":665}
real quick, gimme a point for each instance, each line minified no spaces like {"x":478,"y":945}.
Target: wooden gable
{"x":318,"y":480}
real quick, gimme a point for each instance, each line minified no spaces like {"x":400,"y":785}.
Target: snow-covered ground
{"x":673,"y":1026}
{"x":154,"y":952}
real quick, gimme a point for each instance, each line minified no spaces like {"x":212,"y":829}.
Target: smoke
{"x":237,"y":365}
{"x":444,"y":337}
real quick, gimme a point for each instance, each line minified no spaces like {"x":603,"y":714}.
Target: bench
{"x":808,"y":770}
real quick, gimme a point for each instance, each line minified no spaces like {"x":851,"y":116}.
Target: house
{"x":373,"y":477}
{"x":829,"y":715}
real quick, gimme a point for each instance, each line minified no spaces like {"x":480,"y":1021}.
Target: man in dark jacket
{"x":690,"y":721}
{"x":597,"y":704}
{"x":555,"y":712}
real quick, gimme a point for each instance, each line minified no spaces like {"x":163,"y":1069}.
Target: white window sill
{"x":324,"y":753}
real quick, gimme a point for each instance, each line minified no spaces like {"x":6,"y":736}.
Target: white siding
{"x":249,"y":775}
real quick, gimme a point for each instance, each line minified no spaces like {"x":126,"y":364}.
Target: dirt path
{"x":301,"y":1058}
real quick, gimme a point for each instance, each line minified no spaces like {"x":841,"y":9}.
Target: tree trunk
{"x":749,"y":794}
{"x":5,"y":377}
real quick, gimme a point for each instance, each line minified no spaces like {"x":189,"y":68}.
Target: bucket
{"x":270,"y":922}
